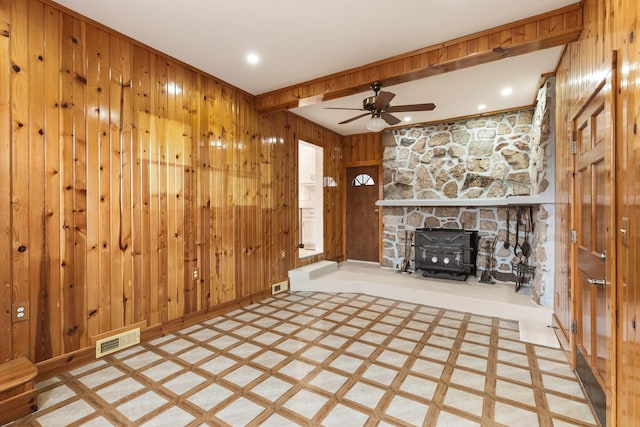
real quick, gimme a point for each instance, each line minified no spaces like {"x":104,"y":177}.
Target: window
{"x":362,"y":179}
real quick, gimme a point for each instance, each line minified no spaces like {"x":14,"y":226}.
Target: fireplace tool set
{"x":404,"y":264}
{"x":522,"y":252}
{"x":490,"y":262}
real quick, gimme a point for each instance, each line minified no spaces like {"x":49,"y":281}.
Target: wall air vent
{"x":117,"y":342}
{"x":276,"y":288}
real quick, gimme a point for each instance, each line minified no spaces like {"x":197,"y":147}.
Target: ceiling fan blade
{"x":383,"y":99}
{"x":413,"y":107}
{"x":353,"y":118}
{"x":345,"y":108}
{"x":390,"y":119}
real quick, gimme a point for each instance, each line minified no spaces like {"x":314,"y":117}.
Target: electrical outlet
{"x":20,"y":311}
{"x":283,"y":254}
{"x":196,"y":273}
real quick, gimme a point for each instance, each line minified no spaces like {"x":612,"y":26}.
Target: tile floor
{"x":324,"y":359}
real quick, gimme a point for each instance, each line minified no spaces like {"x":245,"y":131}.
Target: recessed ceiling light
{"x":253,"y":58}
{"x":407,"y":119}
{"x":506,"y":91}
{"x":482,"y":107}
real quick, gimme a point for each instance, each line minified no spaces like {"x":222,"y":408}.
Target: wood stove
{"x":446,"y":253}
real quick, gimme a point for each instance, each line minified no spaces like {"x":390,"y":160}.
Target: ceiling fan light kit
{"x":378,"y":106}
{"x":376,"y":124}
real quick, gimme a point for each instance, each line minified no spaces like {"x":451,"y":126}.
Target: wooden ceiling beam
{"x":555,"y":28}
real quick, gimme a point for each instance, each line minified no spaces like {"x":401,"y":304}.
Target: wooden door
{"x":362,"y":213}
{"x":594,"y":225}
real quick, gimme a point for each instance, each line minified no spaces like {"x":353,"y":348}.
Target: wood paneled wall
{"x":363,"y":149}
{"x":122,"y":170}
{"x":608,"y":25}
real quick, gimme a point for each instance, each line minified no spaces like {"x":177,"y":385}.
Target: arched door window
{"x":362,"y":179}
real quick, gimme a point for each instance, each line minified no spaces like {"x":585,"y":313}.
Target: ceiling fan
{"x":378,"y":107}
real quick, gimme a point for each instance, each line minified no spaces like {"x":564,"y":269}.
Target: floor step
{"x":18,"y":397}
{"x":300,"y":277}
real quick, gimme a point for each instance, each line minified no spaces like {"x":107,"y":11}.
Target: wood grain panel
{"x":6,"y":179}
{"x":127,"y":170}
{"x":37,"y":234}
{"x":608,"y":25}
{"x":20,"y":256}
{"x":362,"y":149}
{"x":50,"y":322}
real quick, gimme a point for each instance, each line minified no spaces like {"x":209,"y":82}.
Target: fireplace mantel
{"x":495,"y":201}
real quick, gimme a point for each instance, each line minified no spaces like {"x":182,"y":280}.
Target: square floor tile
{"x":570,"y":408}
{"x":392,"y":358}
{"x":333,"y":341}
{"x":419,"y":386}
{"x":402,"y":344}
{"x":102,"y":376}
{"x":183,"y":383}
{"x":305,"y":403}
{"x":54,"y":396}
{"x":472,"y":362}
{"x":245,"y":350}
{"x":380,"y":374}
{"x":468,"y":379}
{"x":66,"y":415}
{"x":328,"y":381}
{"x":162,"y":370}
{"x":296,"y":369}
{"x":269,"y":359}
{"x":272,"y":388}
{"x":347,"y":363}
{"x":291,"y":345}
{"x":515,"y":392}
{"x":514,"y":417}
{"x":119,"y":390}
{"x":223,"y":342}
{"x":435,"y":353}
{"x":360,"y":349}
{"x":203,"y":335}
{"x":341,"y":416}
{"x":426,"y":367}
{"x":141,"y":405}
{"x":218,"y":364}
{"x":210,"y":396}
{"x":373,"y":337}
{"x":196,"y":354}
{"x":464,"y":401}
{"x":267,"y":338}
{"x":365,"y":394}
{"x":407,"y":410}
{"x":243,"y":375}
{"x":247,"y":331}
{"x":141,"y":360}
{"x":176,"y":346}
{"x":239,"y":412}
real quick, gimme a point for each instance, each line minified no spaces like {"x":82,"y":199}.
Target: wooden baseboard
{"x":72,"y":360}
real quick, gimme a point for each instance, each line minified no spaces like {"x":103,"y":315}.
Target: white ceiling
{"x":300,"y":40}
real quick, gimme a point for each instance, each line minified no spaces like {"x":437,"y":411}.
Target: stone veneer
{"x":483,"y":157}
{"x":496,"y":156}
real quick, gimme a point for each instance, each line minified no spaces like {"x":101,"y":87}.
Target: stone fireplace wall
{"x":478,"y":158}
{"x":492,"y":157}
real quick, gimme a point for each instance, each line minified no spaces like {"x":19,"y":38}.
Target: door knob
{"x":376,"y":210}
{"x":597,"y":282}
{"x":603,"y":255}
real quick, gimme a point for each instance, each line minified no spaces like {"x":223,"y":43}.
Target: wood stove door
{"x":362,"y":222}
{"x":594,"y":222}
